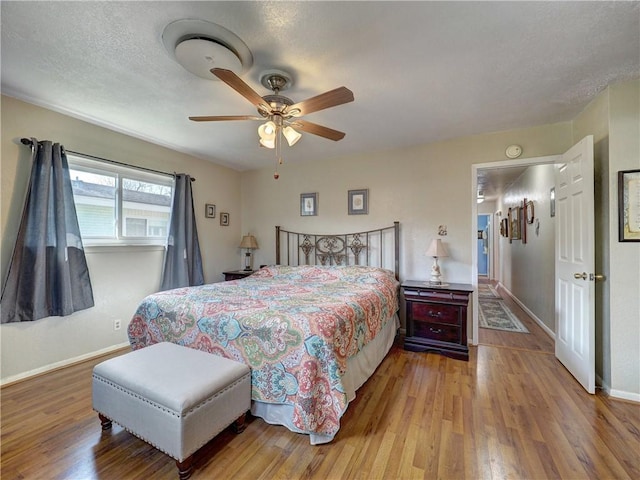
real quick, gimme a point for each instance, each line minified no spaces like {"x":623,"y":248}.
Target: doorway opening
{"x":495,"y":180}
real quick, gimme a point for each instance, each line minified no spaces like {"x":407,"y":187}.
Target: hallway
{"x":537,"y":340}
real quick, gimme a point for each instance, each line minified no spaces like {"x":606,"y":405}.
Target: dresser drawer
{"x":436,"y":331}
{"x":436,"y":295}
{"x":435,"y":312}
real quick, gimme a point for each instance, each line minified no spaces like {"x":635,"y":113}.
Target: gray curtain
{"x":182,"y":260}
{"x":48,"y":274}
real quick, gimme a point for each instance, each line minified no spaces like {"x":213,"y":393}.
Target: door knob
{"x":582,"y":276}
{"x":595,"y":276}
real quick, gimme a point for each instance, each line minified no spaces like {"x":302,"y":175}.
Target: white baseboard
{"x":540,"y":323}
{"x":617,"y":394}
{"x":622,"y":395}
{"x":64,"y":363}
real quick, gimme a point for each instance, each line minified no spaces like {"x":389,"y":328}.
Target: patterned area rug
{"x":486,"y":290}
{"x":495,"y":314}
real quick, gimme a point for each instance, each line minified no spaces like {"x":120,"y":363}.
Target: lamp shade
{"x":249,"y":241}
{"x":291,"y":135}
{"x":267,"y":134}
{"x":436,"y":249}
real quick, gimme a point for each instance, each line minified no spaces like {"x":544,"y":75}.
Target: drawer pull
{"x":435,"y":314}
{"x":437,"y":331}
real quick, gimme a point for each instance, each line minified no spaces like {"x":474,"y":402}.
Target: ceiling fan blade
{"x":328,"y":99}
{"x":219,"y":118}
{"x":316,"y":129}
{"x":235,"y":82}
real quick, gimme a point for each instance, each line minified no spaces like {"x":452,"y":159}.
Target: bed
{"x":312,"y":328}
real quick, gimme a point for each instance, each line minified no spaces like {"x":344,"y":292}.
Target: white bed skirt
{"x":359,"y":368}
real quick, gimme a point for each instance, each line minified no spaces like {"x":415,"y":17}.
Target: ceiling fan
{"x":282,"y":113}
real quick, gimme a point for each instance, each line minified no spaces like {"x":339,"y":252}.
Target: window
{"x":120,"y":205}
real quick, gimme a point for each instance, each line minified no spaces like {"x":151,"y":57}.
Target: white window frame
{"x":91,"y":165}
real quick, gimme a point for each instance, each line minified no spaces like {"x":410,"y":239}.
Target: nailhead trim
{"x":172,"y":412}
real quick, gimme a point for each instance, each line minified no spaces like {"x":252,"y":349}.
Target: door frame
{"x":551,"y":159}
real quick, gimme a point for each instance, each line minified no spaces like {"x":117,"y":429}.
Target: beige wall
{"x":624,"y":273}
{"x":120,"y":276}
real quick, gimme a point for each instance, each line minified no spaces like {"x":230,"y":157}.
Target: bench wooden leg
{"x":238,"y":425}
{"x":185,"y":468}
{"x":104,"y":421}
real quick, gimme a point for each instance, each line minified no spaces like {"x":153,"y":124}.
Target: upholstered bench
{"x":173,"y":397}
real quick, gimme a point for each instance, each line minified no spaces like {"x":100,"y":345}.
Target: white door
{"x":575,"y":263}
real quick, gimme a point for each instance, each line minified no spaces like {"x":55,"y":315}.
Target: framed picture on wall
{"x":358,"y":202}
{"x":629,"y":206}
{"x":504,"y":227}
{"x":224,"y":219}
{"x":514,"y":223}
{"x":308,"y":204}
{"x":210,"y":210}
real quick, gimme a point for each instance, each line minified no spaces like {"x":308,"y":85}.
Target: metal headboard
{"x":379,"y":248}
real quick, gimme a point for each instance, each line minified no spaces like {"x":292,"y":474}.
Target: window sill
{"x":121,"y":248}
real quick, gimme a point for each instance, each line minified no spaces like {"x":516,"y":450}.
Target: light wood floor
{"x":507,"y":413}
{"x":536,"y":340}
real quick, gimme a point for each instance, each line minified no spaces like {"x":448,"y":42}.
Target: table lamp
{"x":436,"y":249}
{"x":249,"y":242}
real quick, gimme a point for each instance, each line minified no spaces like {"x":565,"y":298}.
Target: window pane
{"x":135,"y":227}
{"x":95,"y":198}
{"x":148,"y":203}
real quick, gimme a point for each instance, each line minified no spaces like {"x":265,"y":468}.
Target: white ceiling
{"x":420,"y":71}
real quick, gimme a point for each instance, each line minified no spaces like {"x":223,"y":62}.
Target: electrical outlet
{"x":116,"y":324}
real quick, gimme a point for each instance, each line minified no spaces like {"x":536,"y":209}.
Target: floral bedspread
{"x":294,"y":326}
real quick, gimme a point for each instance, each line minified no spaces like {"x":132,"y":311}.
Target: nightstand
{"x":437,"y":318}
{"x":236,"y":274}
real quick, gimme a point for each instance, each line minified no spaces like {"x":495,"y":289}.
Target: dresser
{"x":236,"y":274}
{"x":437,"y":318}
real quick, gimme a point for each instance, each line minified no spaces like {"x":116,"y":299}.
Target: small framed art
{"x":629,"y":206}
{"x":529,"y":211}
{"x":358,"y":202}
{"x":514,"y":223}
{"x":504,"y":227}
{"x":210,"y":210}
{"x":224,"y":219}
{"x":308,"y":204}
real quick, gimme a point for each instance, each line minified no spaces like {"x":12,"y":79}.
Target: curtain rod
{"x":27,"y":141}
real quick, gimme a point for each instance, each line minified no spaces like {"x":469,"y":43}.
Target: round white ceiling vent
{"x":199,"y":56}
{"x":199,"y":46}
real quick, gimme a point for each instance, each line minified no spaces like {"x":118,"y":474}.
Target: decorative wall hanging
{"x":504,"y":227}
{"x":210,"y":210}
{"x":224,"y":219}
{"x":529,"y":211}
{"x":629,"y":206}
{"x":514,"y":223}
{"x":359,"y":202}
{"x":308,"y":204}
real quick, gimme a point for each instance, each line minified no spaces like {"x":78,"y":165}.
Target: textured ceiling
{"x":420,"y":71}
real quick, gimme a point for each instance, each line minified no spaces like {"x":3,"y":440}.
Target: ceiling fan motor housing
{"x":278,"y":104}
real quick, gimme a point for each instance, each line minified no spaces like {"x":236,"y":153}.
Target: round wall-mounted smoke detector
{"x":513,"y":151}
{"x":199,"y":46}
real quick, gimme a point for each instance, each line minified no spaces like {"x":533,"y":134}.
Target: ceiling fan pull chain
{"x":278,"y":141}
